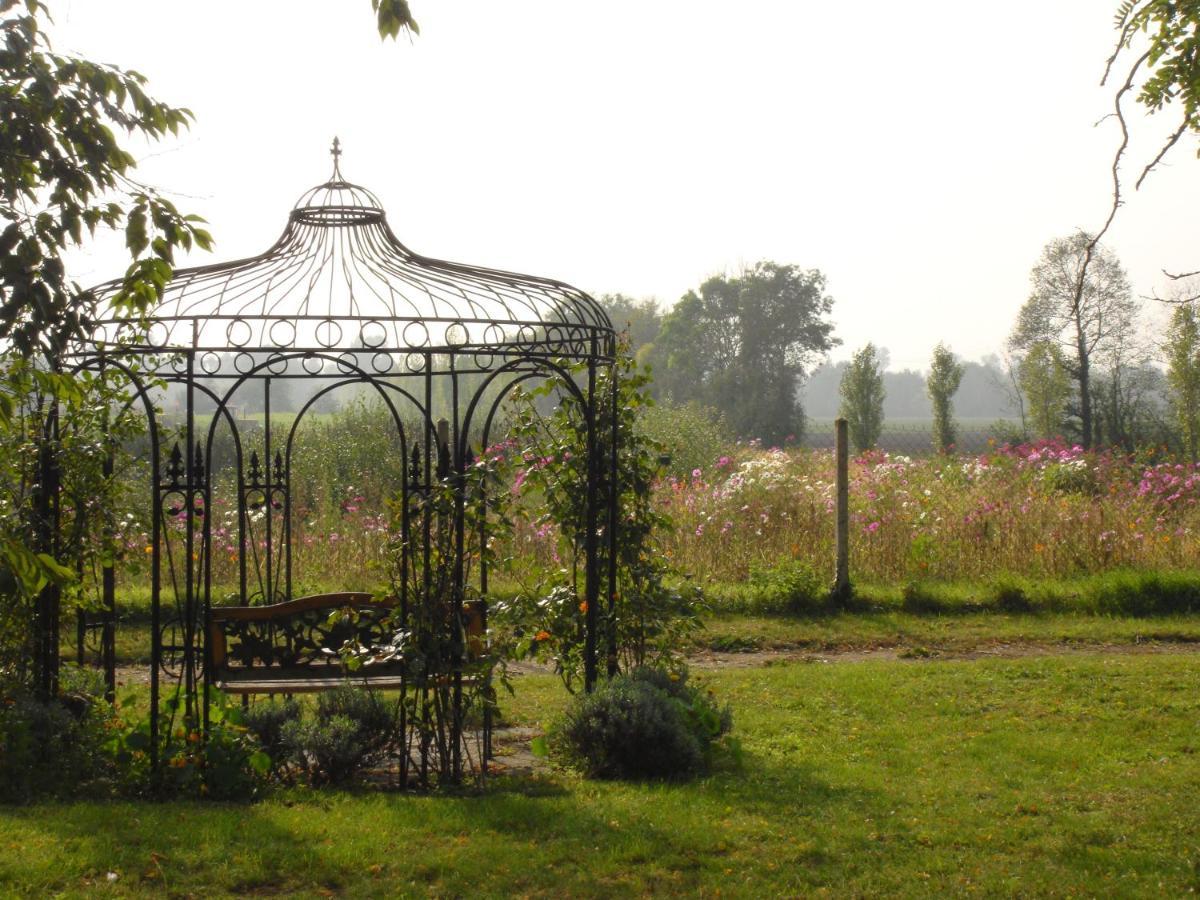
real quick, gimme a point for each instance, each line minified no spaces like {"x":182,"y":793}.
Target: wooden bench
{"x":293,"y":647}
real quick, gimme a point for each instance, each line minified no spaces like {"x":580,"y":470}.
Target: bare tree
{"x":1081,"y":301}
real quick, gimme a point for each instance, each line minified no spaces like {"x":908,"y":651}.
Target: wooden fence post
{"x":841,"y":584}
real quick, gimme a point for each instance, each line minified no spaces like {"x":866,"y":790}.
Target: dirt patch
{"x":708,"y":659}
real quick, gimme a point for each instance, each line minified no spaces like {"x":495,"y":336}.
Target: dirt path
{"x":749,"y":659}
{"x":709,"y":659}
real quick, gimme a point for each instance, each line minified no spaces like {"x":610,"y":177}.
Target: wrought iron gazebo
{"x":337,"y":300}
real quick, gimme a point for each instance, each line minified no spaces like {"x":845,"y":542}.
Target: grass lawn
{"x":1049,"y":776}
{"x":955,"y":633}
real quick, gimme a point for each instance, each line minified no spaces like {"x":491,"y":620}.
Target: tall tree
{"x":1182,"y":350}
{"x":945,"y":376}
{"x":1046,"y":386}
{"x":744,"y":344}
{"x":1082,"y":302}
{"x":641,"y":320}
{"x":63,"y":174}
{"x":862,"y":398}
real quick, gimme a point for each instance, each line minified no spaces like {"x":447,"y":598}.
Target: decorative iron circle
{"x":527,"y":335}
{"x":282,"y":333}
{"x":277,"y":364}
{"x":415,"y":362}
{"x":347,"y":363}
{"x":456,"y":334}
{"x":329,"y":333}
{"x":210,"y":363}
{"x":372,"y":334}
{"x":179,"y":363}
{"x":493,"y":335}
{"x":381,"y":362}
{"x":484,"y":361}
{"x":416,"y":335}
{"x":158,"y":334}
{"x":126,"y":333}
{"x":244,"y":363}
{"x":313,"y":364}
{"x":238,"y":333}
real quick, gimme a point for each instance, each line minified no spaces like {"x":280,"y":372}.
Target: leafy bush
{"x":266,"y":722}
{"x":1071,"y":477}
{"x":351,"y":727}
{"x":49,"y":748}
{"x":227,"y":764}
{"x":792,"y":587}
{"x":1010,"y":596}
{"x":649,"y":724}
{"x":707,"y":720}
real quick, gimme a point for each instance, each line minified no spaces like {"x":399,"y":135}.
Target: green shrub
{"x":1072,"y":477}
{"x":351,"y":728}
{"x":329,"y":750}
{"x":49,"y":748}
{"x":1010,"y":596}
{"x":792,"y":587}
{"x":266,"y":722}
{"x":707,"y":720}
{"x":649,"y":724}
{"x":1145,"y":593}
{"x":224,"y":764}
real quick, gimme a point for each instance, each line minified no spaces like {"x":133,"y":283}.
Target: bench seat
{"x":286,"y":648}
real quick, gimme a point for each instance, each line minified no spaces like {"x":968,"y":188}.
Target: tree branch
{"x":1179,"y":132}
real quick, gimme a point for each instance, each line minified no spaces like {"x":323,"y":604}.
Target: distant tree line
{"x":1080,"y":364}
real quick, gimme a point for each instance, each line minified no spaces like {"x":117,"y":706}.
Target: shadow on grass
{"x":1119,"y":593}
{"x":522,"y":833}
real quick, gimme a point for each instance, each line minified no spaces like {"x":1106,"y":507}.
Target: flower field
{"x":1038,"y":510}
{"x":1044,"y":510}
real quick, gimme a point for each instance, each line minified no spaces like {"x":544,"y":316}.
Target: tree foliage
{"x":945,"y":376}
{"x":1182,"y":350}
{"x":1046,"y":385}
{"x":1080,"y":301}
{"x":742,"y":345}
{"x":63,"y":174}
{"x":1166,"y":71}
{"x":394,"y":16}
{"x":640,"y":320}
{"x":862,"y":398}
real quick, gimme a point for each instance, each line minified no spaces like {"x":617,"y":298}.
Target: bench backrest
{"x":298,"y":633}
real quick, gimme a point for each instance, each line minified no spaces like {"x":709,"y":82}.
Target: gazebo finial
{"x":336,"y":152}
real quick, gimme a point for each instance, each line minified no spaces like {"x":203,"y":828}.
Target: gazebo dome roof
{"x":339,"y":281}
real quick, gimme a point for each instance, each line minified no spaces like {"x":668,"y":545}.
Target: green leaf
{"x":56,"y":571}
{"x":539,"y":747}
{"x":136,"y":238}
{"x":260,"y":762}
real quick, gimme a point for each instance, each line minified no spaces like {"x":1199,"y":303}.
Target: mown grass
{"x":1049,"y":776}
{"x":798,"y":590}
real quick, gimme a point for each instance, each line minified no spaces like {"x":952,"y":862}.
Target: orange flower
{"x":583,"y":607}
{"x":542,"y":635}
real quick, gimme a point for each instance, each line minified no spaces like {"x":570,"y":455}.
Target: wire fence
{"x":909,"y":439}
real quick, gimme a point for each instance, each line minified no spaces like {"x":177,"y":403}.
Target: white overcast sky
{"x":920,"y":155}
